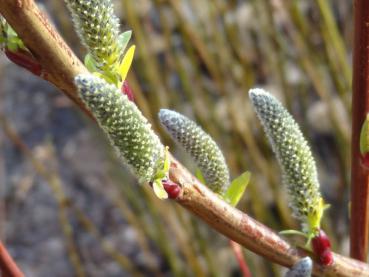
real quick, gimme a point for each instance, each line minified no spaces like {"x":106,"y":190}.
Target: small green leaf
{"x":126,"y":62}
{"x":102,"y":76}
{"x":14,"y":42}
{"x":364,"y":137}
{"x":299,"y":233}
{"x":12,"y":46}
{"x":90,"y":63}
{"x":11,"y":32}
{"x":159,"y":189}
{"x":237,"y":188}
{"x":292,"y":232}
{"x":166,"y":165}
{"x":163,"y":172}
{"x":199,"y":176}
{"x":123,"y":40}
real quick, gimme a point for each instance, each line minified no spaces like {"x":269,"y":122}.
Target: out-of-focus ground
{"x":70,"y":209}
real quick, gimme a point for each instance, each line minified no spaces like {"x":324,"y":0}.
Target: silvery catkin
{"x":302,"y":268}
{"x":98,"y":29}
{"x":200,"y":146}
{"x":294,"y":157}
{"x":127,"y":129}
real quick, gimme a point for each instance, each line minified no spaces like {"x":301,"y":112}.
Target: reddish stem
{"x":7,"y":265}
{"x":237,"y":250}
{"x":25,"y":60}
{"x":360,"y":107}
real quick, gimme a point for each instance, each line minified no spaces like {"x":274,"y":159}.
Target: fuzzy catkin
{"x":303,"y":268}
{"x":293,"y":154}
{"x":200,"y":146}
{"x":127,"y":129}
{"x":98,"y":28}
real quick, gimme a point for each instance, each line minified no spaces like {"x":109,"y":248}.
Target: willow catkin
{"x":98,"y":29}
{"x":294,"y":157}
{"x":302,"y":268}
{"x":127,"y":129}
{"x":200,"y":146}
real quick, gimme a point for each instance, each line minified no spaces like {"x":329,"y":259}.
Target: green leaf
{"x":162,"y":173}
{"x":102,"y":76}
{"x":90,"y":63}
{"x":159,"y":189}
{"x":126,"y":62}
{"x":14,"y":42}
{"x":12,"y":46}
{"x":292,"y":232}
{"x":166,"y":165}
{"x":10,"y":32}
{"x":123,"y":40}
{"x":364,"y":137}
{"x":237,"y":188}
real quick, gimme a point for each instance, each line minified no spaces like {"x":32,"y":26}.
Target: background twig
{"x":7,"y":265}
{"x":360,"y":107}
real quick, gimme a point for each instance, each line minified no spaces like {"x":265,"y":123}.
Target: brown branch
{"x":8,"y":268}
{"x":360,"y":107}
{"x":246,"y":231}
{"x":195,"y":197}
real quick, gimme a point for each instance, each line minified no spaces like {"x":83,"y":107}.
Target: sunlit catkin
{"x":294,"y":157}
{"x":127,"y":129}
{"x":98,"y":29}
{"x":200,"y":146}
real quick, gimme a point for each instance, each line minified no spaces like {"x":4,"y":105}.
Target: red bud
{"x":171,"y":188}
{"x":25,"y":60}
{"x":126,"y":89}
{"x":322,"y":248}
{"x":326,"y":258}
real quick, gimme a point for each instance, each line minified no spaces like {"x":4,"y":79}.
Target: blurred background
{"x":68,"y":206}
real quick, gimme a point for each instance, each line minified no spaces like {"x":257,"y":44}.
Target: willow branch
{"x":360,"y":107}
{"x":41,"y":38}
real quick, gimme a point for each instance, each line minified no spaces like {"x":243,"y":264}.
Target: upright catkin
{"x":294,"y":157}
{"x":98,"y":29}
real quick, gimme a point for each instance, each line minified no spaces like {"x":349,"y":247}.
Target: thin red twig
{"x":360,"y":107}
{"x":7,"y":265}
{"x":237,"y":250}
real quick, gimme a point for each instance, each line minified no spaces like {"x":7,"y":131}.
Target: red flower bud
{"x":126,"y":89}
{"x":171,"y":188}
{"x":322,"y":248}
{"x":25,"y":60}
{"x":326,"y":258}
